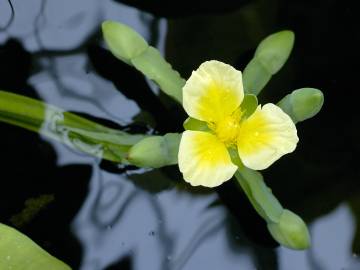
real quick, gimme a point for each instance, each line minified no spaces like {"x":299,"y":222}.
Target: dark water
{"x":105,"y":216}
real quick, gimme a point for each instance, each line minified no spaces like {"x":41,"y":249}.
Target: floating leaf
{"x":18,"y":252}
{"x":270,"y":56}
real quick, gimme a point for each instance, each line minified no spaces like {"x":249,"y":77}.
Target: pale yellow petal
{"x":265,"y":136}
{"x":204,"y":160}
{"x":213,"y":91}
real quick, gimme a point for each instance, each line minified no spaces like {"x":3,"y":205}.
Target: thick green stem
{"x":67,"y":128}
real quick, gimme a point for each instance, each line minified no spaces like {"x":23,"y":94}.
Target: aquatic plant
{"x":225,"y":119}
{"x":271,"y":54}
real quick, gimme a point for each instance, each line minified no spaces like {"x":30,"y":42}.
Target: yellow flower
{"x":214,"y":93}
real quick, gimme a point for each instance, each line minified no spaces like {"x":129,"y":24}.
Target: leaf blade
{"x":19,"y":252}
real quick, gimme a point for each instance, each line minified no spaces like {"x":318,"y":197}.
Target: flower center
{"x":227,"y":129}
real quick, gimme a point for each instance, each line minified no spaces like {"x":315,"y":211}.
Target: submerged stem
{"x":67,"y":128}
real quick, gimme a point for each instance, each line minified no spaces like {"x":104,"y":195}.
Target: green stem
{"x":260,"y":196}
{"x":67,"y":128}
{"x":286,"y":227}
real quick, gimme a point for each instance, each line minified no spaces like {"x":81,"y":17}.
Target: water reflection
{"x":177,"y":229}
{"x":163,"y":230}
{"x":136,"y":219}
{"x":10,"y":19}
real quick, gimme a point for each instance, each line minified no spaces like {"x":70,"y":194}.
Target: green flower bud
{"x":274,"y":50}
{"x":155,"y":151}
{"x":156,"y":68}
{"x":290,"y":231}
{"x":270,"y":56}
{"x":302,"y":104}
{"x":123,"y":41}
{"x":131,"y":48}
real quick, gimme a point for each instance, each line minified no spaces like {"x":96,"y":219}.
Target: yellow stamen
{"x":227,"y":129}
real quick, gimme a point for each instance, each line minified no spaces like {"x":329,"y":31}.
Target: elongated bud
{"x":290,"y":231}
{"x":155,"y":151}
{"x":270,"y":56}
{"x":130,"y":47}
{"x":156,"y":68}
{"x":275,"y":49}
{"x":123,"y":41}
{"x":302,"y":104}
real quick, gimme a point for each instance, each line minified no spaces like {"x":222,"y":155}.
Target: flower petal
{"x":213,"y":91}
{"x":204,"y":160}
{"x":265,"y":136}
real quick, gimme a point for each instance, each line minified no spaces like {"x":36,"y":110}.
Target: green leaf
{"x":248,"y":105}
{"x":67,"y":128}
{"x":270,"y":56}
{"x":156,"y":151}
{"x":302,"y":104}
{"x":154,"y":66}
{"x":18,"y":252}
{"x":123,"y":41}
{"x":194,"y":124}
